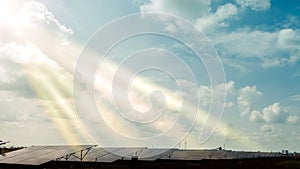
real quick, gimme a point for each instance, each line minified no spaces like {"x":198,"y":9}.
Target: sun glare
{"x":6,"y":11}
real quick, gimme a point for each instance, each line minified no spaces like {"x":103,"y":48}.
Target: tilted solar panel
{"x":154,"y":154}
{"x":37,"y":155}
{"x":110,"y":154}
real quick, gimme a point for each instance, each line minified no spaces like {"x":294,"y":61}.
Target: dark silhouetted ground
{"x":258,"y":163}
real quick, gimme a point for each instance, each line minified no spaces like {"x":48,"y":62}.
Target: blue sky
{"x":258,"y":43}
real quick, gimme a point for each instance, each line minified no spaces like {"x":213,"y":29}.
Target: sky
{"x":48,"y":51}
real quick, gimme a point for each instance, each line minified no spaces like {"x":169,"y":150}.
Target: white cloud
{"x":229,"y":87}
{"x":36,"y":15}
{"x":256,"y":5}
{"x":226,"y":11}
{"x":275,"y":113}
{"x":217,"y":19}
{"x":205,"y":93}
{"x":274,"y":62}
{"x":12,"y":113}
{"x":293,"y":119}
{"x":34,"y":34}
{"x":265,"y":48}
{"x":249,"y":97}
{"x":35,"y":24}
{"x":255,"y":116}
{"x":196,"y":11}
{"x":27,"y":54}
{"x":191,"y":10}
{"x":25,"y":64}
{"x":267,"y":128}
{"x":242,"y":43}
{"x":268,"y":49}
{"x":171,"y":28}
{"x":33,"y":78}
{"x":290,"y":22}
{"x":248,"y":103}
{"x":289,"y":39}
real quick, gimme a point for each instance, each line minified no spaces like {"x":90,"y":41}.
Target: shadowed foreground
{"x":277,"y":162}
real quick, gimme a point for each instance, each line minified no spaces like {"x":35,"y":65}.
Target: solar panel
{"x":108,"y":158}
{"x":154,"y":154}
{"x":40,"y":154}
{"x":20,"y":155}
{"x":106,"y":155}
{"x":191,"y":154}
{"x":218,"y":154}
{"x":241,"y":154}
{"x":92,"y":155}
{"x":127,"y":152}
{"x":20,"y":152}
{"x":37,"y":155}
{"x":110,"y":154}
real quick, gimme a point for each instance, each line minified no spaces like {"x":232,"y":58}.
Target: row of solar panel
{"x":37,"y":155}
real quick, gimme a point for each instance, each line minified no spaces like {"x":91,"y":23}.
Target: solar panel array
{"x":37,"y":155}
{"x":190,"y":155}
{"x":218,"y":154}
{"x":109,"y":155}
{"x":154,"y":154}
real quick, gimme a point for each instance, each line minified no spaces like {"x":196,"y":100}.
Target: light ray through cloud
{"x":41,"y":42}
{"x":144,"y":86}
{"x":56,"y":105}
